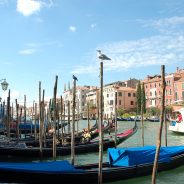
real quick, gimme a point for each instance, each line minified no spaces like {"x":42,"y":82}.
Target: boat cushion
{"x":141,"y":155}
{"x":45,"y":167}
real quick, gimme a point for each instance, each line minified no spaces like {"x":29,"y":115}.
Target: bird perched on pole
{"x":102,"y":56}
{"x":75,"y":78}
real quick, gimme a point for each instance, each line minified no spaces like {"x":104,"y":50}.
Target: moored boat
{"x":175,"y":126}
{"x":122,"y":164}
{"x":28,"y":151}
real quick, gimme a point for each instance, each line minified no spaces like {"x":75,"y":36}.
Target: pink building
{"x":174,"y":91}
{"x":152,"y":87}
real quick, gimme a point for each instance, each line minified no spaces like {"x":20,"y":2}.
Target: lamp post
{"x":102,"y":57}
{"x":4,"y":84}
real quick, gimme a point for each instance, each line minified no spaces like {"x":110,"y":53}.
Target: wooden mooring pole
{"x":73,"y":123}
{"x":100,"y":126}
{"x":54,"y":119}
{"x":155,"y":166}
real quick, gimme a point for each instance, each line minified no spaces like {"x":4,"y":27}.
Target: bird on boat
{"x":102,"y":56}
{"x":75,"y":78}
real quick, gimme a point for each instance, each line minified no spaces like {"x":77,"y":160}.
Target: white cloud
{"x":33,"y":47}
{"x":86,"y":69}
{"x":156,"y":50}
{"x":169,"y":25}
{"x":169,"y":21}
{"x":29,"y":7}
{"x":93,"y":26}
{"x":165,"y":48}
{"x":72,"y":28}
{"x":27,"y":51}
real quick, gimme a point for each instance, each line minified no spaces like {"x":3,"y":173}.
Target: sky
{"x":42,"y":39}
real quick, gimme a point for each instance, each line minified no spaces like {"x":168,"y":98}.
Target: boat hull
{"x":90,"y":174}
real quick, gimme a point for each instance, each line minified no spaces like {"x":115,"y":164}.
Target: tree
{"x":120,"y":112}
{"x":143,"y":98}
{"x":138,"y":95}
{"x":168,"y":110}
{"x":153,"y":111}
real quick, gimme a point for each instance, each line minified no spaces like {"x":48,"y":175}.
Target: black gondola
{"x":63,"y":171}
{"x":20,"y":149}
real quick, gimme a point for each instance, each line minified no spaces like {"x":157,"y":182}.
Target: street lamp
{"x":102,"y":57}
{"x":4,"y":84}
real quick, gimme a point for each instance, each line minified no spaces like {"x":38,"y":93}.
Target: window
{"x":119,"y":102}
{"x":107,"y":95}
{"x":119,"y":93}
{"x":170,"y":92}
{"x":111,"y":102}
{"x":183,"y":95}
{"x":176,"y":96}
{"x":133,"y":94}
{"x":182,"y":85}
{"x":132,"y":103}
{"x":175,"y":86}
{"x":129,"y":94}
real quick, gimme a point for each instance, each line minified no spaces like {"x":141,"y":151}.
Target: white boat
{"x":175,"y":126}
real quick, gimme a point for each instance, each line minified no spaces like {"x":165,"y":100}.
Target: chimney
{"x":177,"y":69}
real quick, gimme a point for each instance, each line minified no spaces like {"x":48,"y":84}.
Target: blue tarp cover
{"x":141,"y":155}
{"x":48,"y":166}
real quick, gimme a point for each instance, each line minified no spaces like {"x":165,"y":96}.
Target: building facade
{"x":174,"y":91}
{"x":124,"y":97}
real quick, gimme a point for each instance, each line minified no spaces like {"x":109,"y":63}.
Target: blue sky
{"x":44,"y":38}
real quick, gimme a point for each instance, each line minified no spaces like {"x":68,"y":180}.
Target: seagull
{"x":102,"y":56}
{"x":75,"y":78}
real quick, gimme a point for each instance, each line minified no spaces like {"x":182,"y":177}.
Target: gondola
{"x":20,"y":149}
{"x":31,"y":141}
{"x":63,"y":171}
{"x":25,"y":128}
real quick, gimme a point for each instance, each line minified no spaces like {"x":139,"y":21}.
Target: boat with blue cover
{"x":123,"y":163}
